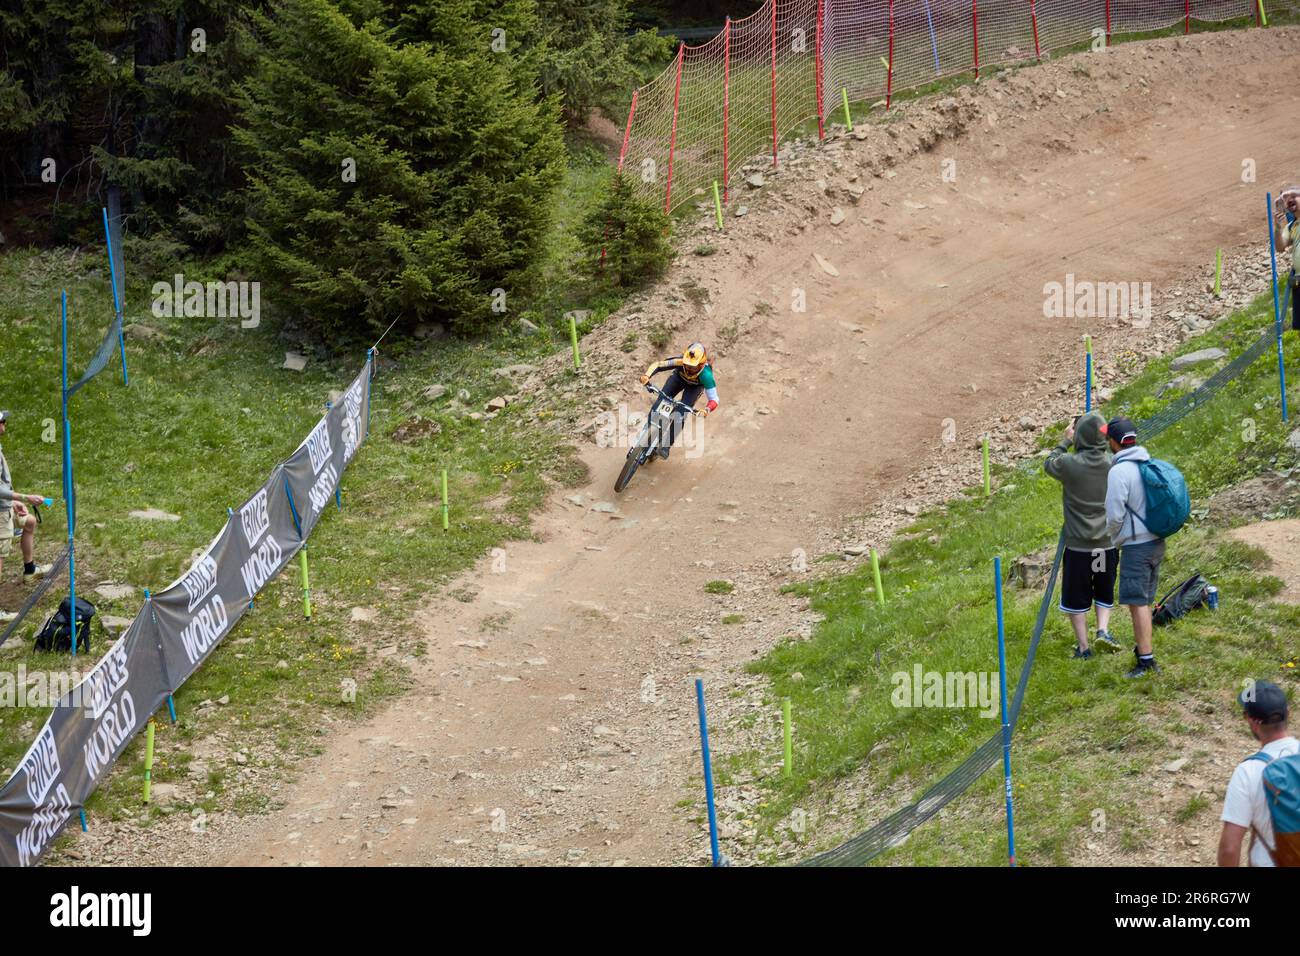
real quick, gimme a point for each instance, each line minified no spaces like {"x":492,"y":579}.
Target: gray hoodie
{"x":1082,"y":475}
{"x":1125,"y":493}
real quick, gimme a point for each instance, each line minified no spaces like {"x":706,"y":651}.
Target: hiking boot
{"x":1107,"y":642}
{"x":1081,"y":655}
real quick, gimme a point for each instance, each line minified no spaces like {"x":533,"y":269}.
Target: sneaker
{"x":1143,"y":669}
{"x":1081,"y":655}
{"x":1107,"y":642}
{"x":39,"y":571}
{"x":7,"y":617}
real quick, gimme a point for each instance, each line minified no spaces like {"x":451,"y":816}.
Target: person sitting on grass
{"x":1090,"y":563}
{"x":16,"y":519}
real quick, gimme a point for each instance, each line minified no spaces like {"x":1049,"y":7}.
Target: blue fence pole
{"x":933,"y":45}
{"x":370,"y":374}
{"x":117,"y":301}
{"x":1006,"y":725}
{"x":1087,"y":374}
{"x":708,"y":769}
{"x":68,"y":483}
{"x":1277,"y":310}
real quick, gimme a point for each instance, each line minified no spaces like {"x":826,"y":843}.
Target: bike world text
{"x":946,"y":689}
{"x":212,"y":300}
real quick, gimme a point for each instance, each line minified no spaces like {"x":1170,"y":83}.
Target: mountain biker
{"x":691,"y":374}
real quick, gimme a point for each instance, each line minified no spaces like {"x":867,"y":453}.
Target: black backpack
{"x":56,"y":635}
{"x":1186,"y":597}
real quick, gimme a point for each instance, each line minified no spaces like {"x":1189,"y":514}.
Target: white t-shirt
{"x":1245,"y":804}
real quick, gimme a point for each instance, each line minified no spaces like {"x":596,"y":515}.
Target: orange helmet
{"x":695,"y":357}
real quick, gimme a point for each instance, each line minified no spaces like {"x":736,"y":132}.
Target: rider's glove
{"x":645,"y":379}
{"x":712,"y":405}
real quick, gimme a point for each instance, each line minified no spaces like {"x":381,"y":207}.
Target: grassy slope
{"x":1084,"y":730}
{"x":208,"y":413}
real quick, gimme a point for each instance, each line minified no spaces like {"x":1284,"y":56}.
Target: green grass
{"x":719,"y":587}
{"x":1086,"y":733}
{"x":207,"y":416}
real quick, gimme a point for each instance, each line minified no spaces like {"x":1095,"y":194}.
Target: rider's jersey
{"x":703,"y":377}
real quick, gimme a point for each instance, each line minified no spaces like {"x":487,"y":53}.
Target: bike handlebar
{"x":656,"y":390}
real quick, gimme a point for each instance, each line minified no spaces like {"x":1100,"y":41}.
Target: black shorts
{"x":1082,"y":586}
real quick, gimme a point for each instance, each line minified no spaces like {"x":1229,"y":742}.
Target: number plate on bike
{"x":666,"y":412}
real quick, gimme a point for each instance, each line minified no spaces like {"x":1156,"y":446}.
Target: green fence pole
{"x":306,"y":583}
{"x":573,"y":337}
{"x":1263,"y":17}
{"x":445,"y":507}
{"x":875,"y":576}
{"x":789,"y":749}
{"x":148,"y":759}
{"x":1218,"y":270}
{"x":717,"y":204}
{"x":988,"y":486}
{"x":848,"y":117}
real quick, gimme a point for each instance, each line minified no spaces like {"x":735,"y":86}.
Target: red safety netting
{"x":725,"y":103}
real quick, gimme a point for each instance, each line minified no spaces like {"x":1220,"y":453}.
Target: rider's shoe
{"x":663,"y":452}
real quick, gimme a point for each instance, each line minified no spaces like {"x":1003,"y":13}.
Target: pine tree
{"x":399,"y":172}
{"x":629,"y":236}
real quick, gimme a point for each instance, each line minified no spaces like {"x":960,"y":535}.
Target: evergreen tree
{"x":396,"y":172}
{"x":630,"y":236}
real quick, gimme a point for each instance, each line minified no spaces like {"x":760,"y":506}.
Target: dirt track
{"x":539,"y":739}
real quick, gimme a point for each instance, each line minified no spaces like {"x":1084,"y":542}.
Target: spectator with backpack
{"x":1146,"y":502}
{"x":1263,"y":794}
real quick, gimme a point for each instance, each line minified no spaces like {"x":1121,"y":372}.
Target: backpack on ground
{"x":56,"y":635}
{"x":1168,"y":503}
{"x":1188,"y":596}
{"x":1282,"y":791}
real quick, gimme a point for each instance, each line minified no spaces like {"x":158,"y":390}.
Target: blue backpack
{"x":1282,"y":791}
{"x":1168,"y":503}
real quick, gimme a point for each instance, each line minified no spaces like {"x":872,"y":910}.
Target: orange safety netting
{"x":728,"y":101}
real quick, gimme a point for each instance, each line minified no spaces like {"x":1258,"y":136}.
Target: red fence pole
{"x":889,"y":74}
{"x":975,"y":25}
{"x":773,"y":3}
{"x":1033,"y":15}
{"x":821,"y":94}
{"x":1107,"y":22}
{"x":1187,"y":16}
{"x":726,"y":107}
{"x":672,"y":142}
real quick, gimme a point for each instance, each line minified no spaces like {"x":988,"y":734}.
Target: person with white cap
{"x":16,"y":520}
